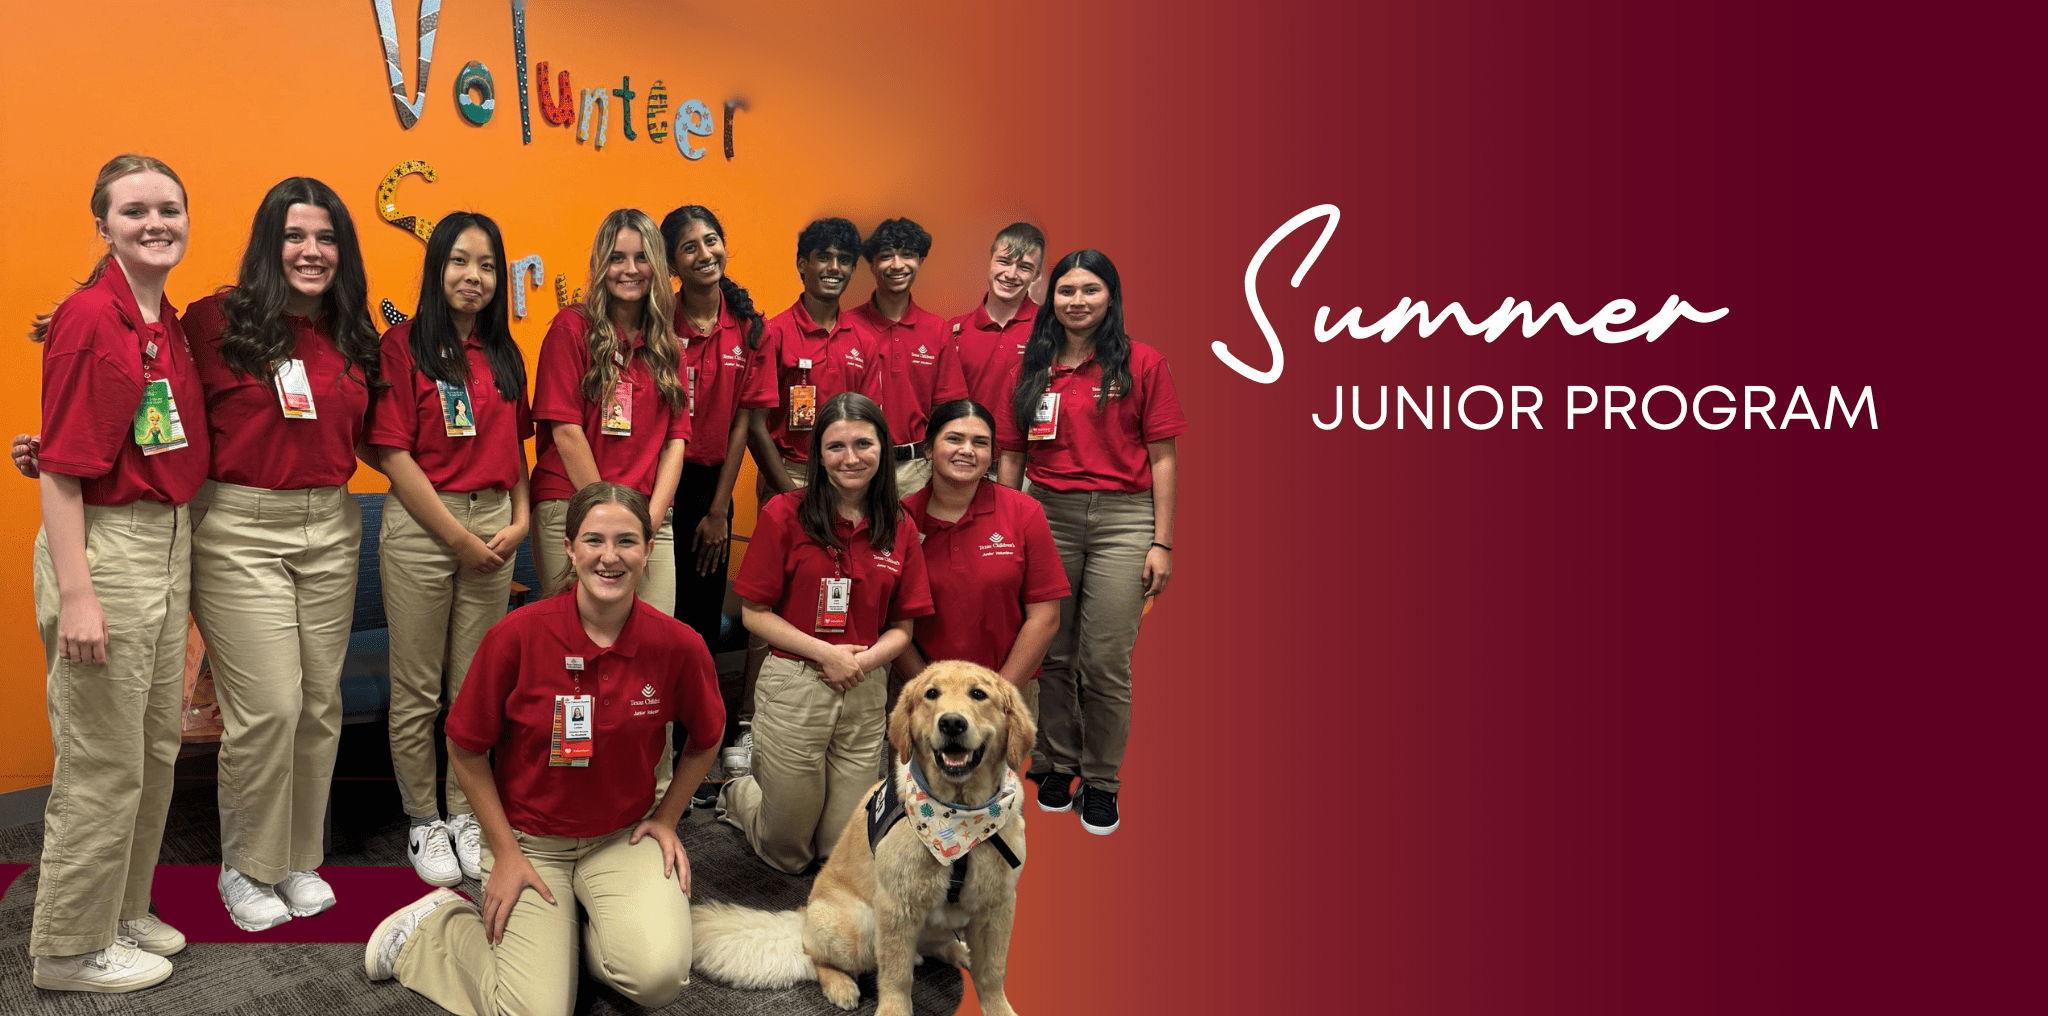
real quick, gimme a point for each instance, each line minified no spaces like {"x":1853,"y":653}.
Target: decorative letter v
{"x":387,"y":28}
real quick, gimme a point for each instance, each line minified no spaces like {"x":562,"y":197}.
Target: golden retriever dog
{"x":886,"y":908}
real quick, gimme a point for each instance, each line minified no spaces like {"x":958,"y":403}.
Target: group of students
{"x":205,"y":462}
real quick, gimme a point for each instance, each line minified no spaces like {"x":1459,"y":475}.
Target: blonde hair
{"x":657,"y":316}
{"x":116,"y":168}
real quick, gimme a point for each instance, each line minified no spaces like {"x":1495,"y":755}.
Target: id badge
{"x":803,"y":401}
{"x":693,"y":392}
{"x":618,"y":413}
{"x":458,"y":414}
{"x":295,"y":391}
{"x":157,"y":428}
{"x":835,"y":596}
{"x":1045,"y":420}
{"x":572,"y":744}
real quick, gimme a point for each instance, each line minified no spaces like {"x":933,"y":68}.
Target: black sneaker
{"x":1098,"y":810}
{"x":1055,"y":792}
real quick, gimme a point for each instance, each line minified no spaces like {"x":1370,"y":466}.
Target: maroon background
{"x":1567,"y":721}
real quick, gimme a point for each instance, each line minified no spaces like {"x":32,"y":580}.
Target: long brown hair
{"x":657,"y":315}
{"x":821,"y":500}
{"x":116,"y":168}
{"x":256,"y":336}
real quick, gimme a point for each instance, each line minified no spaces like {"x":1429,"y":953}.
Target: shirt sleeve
{"x":397,"y":422}
{"x":952,"y":382}
{"x":699,"y":708}
{"x":1008,"y":438}
{"x":914,"y":589}
{"x":760,"y":391}
{"x":763,"y":575}
{"x":88,"y":399}
{"x":679,"y":425}
{"x":477,"y":716}
{"x":1045,"y":575}
{"x":1163,"y":417}
{"x":564,"y":357}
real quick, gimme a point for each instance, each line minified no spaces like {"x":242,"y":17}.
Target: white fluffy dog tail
{"x":748,"y":948}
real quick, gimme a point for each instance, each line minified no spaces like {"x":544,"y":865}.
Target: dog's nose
{"x":952,"y":724}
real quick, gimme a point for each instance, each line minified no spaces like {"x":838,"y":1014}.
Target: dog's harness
{"x":885,"y":809}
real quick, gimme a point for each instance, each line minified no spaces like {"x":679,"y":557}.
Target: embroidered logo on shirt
{"x":995,"y":538}
{"x":647,"y":690}
{"x":921,"y":351}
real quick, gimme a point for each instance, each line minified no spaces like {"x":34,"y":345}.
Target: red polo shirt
{"x":984,"y":569}
{"x":917,"y":368}
{"x":94,"y":360}
{"x":840,"y":360}
{"x":630,"y":459}
{"x":1099,"y":449}
{"x":254,"y":444}
{"x":987,"y":351}
{"x":410,"y":417}
{"x":657,"y":671}
{"x":723,"y":366}
{"x":784,"y":567}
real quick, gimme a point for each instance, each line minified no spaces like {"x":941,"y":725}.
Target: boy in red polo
{"x":918,"y":368}
{"x":989,"y":340}
{"x":808,"y":354}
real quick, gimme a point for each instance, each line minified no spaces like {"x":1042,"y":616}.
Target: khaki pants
{"x":814,"y":759}
{"x":438,"y":613}
{"x":274,"y":591}
{"x":638,"y":935}
{"x":115,"y":726}
{"x":657,"y":587}
{"x":1085,"y":694}
{"x":912,"y":475}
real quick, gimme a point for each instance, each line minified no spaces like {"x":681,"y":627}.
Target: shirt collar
{"x":568,"y":627}
{"x":116,"y":282}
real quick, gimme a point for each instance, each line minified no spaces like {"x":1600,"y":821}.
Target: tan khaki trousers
{"x":438,"y":613}
{"x":274,"y":592}
{"x":657,"y":587}
{"x":115,"y":726}
{"x":911,"y":476}
{"x":638,"y":935}
{"x":814,"y":759}
{"x":1085,"y":698}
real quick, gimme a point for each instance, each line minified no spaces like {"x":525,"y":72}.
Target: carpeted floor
{"x":322,"y":980}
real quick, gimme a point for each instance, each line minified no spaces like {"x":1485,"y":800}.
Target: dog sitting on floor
{"x":928,"y":868}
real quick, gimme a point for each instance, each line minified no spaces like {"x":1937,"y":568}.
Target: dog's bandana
{"x":949,"y":831}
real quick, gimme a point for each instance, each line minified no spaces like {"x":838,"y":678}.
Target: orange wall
{"x":237,"y":96}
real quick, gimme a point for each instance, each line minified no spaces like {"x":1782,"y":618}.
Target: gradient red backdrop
{"x":1586,"y":721}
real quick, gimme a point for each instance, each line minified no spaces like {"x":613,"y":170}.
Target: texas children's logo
{"x":924,"y":356}
{"x":1436,"y":406}
{"x":998,"y":547}
{"x":648,"y":703}
{"x":888,"y":563}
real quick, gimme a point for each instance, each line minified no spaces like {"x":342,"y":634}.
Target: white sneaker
{"x":739,"y":759}
{"x":153,"y":936}
{"x":427,"y":847}
{"x":120,"y":967}
{"x":252,"y":905}
{"x":380,"y":959}
{"x":469,"y":844}
{"x":305,"y":893}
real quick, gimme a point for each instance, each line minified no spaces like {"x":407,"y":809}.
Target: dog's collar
{"x":1006,"y":784}
{"x":949,"y":831}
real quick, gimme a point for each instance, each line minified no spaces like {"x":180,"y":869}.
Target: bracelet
{"x":1167,"y":547}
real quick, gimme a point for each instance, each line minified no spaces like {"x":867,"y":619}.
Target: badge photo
{"x":1045,"y":420}
{"x":458,"y":413}
{"x":295,"y":391}
{"x":157,"y":428}
{"x":618,"y":413}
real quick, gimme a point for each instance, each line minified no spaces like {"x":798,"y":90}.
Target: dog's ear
{"x":1017,"y":719}
{"x":899,"y":719}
